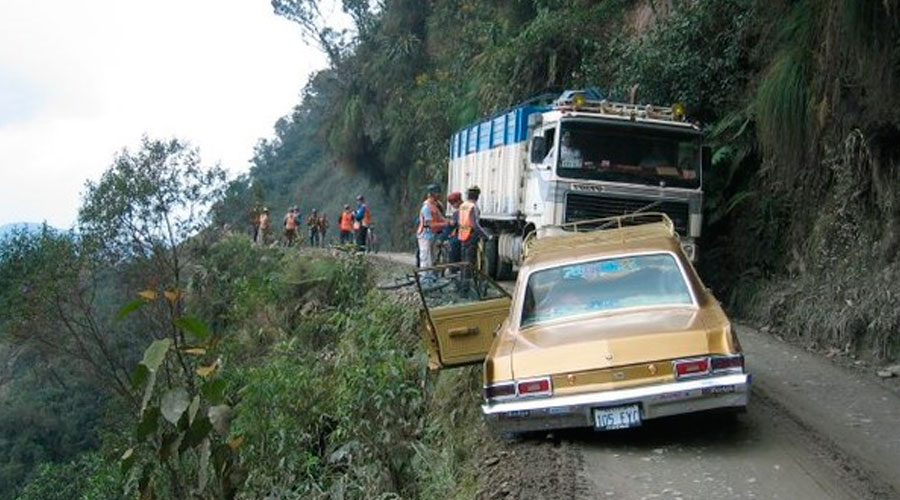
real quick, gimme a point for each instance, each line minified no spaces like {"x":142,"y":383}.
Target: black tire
{"x":489,"y":258}
{"x":504,"y":269}
{"x":511,"y":437}
{"x":372,"y":241}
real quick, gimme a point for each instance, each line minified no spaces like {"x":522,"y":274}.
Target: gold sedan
{"x":606,"y":328}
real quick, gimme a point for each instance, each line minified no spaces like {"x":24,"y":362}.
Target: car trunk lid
{"x":610,"y":341}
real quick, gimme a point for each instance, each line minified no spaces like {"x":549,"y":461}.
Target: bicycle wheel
{"x":371,"y":241}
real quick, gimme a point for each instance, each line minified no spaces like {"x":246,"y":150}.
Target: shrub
{"x":284,"y":417}
{"x":698,"y":56}
{"x":88,"y":477}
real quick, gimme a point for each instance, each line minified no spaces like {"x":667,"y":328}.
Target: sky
{"x":81,"y":80}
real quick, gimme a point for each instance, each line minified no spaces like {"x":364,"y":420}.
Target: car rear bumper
{"x":663,"y":400}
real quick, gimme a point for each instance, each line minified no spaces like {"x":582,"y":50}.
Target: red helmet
{"x":454,"y":197}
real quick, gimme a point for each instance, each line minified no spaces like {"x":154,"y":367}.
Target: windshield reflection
{"x":634,"y":155}
{"x":604,"y":285}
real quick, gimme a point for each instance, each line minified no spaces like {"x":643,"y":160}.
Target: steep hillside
{"x":798,"y":98}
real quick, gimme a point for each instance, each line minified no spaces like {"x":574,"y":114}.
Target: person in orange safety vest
{"x":345,"y":225}
{"x":470,"y":230}
{"x":265,"y":225}
{"x":290,"y":225}
{"x":312,"y":222}
{"x":431,"y":223}
{"x":323,"y":228}
{"x":362,"y":220}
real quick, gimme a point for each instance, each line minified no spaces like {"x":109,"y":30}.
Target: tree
{"x":59,"y":291}
{"x":49,"y":301}
{"x":148,"y":203}
{"x":142,"y":211}
{"x":315,"y":23}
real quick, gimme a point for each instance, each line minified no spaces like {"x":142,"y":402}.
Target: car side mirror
{"x":538,"y":149}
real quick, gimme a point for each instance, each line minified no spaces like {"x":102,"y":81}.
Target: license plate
{"x":620,"y":417}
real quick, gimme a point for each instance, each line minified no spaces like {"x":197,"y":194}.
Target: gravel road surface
{"x":813,"y":430}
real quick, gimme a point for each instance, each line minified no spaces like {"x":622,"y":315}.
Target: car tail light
{"x":500,"y":391}
{"x":727,"y":364}
{"x":534,"y":387}
{"x":687,"y":368}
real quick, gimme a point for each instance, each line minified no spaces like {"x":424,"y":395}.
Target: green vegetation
{"x":158,"y":351}
{"x":796,"y":96}
{"x":264,"y":372}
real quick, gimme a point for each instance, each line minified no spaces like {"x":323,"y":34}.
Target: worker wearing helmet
{"x":362,"y":220}
{"x":323,"y":228}
{"x":265,"y":226}
{"x":431,"y":223}
{"x":345,"y":225}
{"x":312,"y":222}
{"x":290,"y":225}
{"x":454,"y":199}
{"x":470,"y":229}
{"x":254,"y":220}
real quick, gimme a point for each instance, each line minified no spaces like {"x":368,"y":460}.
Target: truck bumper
{"x":726,"y":391}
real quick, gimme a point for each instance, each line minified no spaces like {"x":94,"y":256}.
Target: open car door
{"x":462,"y":310}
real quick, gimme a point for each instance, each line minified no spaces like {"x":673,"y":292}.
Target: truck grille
{"x":583,"y":207}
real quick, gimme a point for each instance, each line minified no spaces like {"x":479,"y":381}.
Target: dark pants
{"x":361,"y":235}
{"x":346,"y":237}
{"x":455,"y":251}
{"x":313,"y":237}
{"x":469,"y":254}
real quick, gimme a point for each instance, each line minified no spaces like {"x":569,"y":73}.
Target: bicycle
{"x":371,"y":240}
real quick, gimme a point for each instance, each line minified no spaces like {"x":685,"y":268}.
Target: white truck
{"x":576,"y":156}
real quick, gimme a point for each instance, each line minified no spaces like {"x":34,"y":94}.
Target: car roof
{"x":560,"y":247}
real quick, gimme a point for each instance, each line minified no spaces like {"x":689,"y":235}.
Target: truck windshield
{"x":636,"y":155}
{"x":604,"y":285}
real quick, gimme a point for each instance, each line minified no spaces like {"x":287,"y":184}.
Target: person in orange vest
{"x":454,"y":199}
{"x":363,"y":219}
{"x":470,"y":230}
{"x":290,"y":226}
{"x":323,"y":228}
{"x":312,"y":222}
{"x":254,"y":220}
{"x":431,"y":223}
{"x":345,"y":225}
{"x":262,"y":236}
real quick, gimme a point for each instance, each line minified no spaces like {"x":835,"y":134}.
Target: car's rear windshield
{"x":604,"y":285}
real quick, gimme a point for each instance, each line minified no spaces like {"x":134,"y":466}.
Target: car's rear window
{"x":604,"y":285}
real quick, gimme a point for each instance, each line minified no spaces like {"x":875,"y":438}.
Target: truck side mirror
{"x":706,"y":158}
{"x":538,"y":149}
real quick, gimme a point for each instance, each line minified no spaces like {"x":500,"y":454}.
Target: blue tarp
{"x":506,"y":128}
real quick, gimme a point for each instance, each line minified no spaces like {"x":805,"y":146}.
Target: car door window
{"x":456,"y":284}
{"x":463,"y":309}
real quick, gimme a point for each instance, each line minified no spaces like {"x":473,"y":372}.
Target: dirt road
{"x":814,"y":430}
